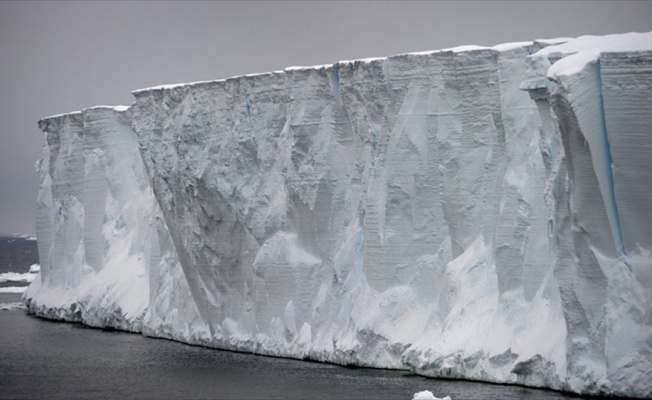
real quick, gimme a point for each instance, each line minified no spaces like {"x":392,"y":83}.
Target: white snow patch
{"x":26,"y":236}
{"x":428,"y":395}
{"x":460,"y":49}
{"x":56,"y":116}
{"x":552,"y":41}
{"x":510,"y":46}
{"x":586,"y":49}
{"x":307,"y":67}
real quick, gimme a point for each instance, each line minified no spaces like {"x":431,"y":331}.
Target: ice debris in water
{"x":17,"y":305}
{"x":17,"y":277}
{"x":427,"y":395}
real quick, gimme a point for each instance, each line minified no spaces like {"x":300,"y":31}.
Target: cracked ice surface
{"x":417,"y":211}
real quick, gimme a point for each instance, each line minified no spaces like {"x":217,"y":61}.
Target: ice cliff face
{"x":479,"y":213}
{"x":108,"y":260}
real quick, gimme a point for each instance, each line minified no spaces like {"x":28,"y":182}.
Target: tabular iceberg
{"x":476,"y":212}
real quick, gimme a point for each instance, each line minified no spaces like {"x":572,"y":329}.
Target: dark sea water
{"x":41,"y":359}
{"x":17,"y":254}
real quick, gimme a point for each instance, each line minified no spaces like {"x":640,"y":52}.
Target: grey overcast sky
{"x":61,"y":56}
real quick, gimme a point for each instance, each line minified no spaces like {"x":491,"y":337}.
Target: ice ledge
{"x":584,"y":49}
{"x":459,"y":49}
{"x":576,"y":54}
{"x":565,"y":57}
{"x":119,"y":109}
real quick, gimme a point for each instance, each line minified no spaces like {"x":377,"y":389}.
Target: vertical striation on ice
{"x":102,"y":242}
{"x":418,"y":211}
{"x":598,"y":95}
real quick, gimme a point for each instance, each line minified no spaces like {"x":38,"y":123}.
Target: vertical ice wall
{"x":625,"y":88}
{"x":598,"y":97}
{"x":102,"y":244}
{"x":417,"y":211}
{"x":357,"y":213}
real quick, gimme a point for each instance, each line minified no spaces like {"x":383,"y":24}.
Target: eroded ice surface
{"x":465,"y":213}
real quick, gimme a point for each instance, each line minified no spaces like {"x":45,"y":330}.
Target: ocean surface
{"x":42,"y":359}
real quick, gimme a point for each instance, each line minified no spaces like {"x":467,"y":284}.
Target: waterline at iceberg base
{"x":478,"y":212}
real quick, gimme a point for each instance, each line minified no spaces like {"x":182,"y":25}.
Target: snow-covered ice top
{"x":120,"y":108}
{"x":458,"y":49}
{"x":428,"y":395}
{"x":585,"y":49}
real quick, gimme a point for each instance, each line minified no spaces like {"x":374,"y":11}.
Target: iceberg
{"x":427,"y":395}
{"x":475,"y":212}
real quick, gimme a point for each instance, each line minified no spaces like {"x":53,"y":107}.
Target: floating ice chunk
{"x":34,"y":268}
{"x":17,"y":276}
{"x":26,"y":236}
{"x":16,"y":305}
{"x":427,"y":395}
